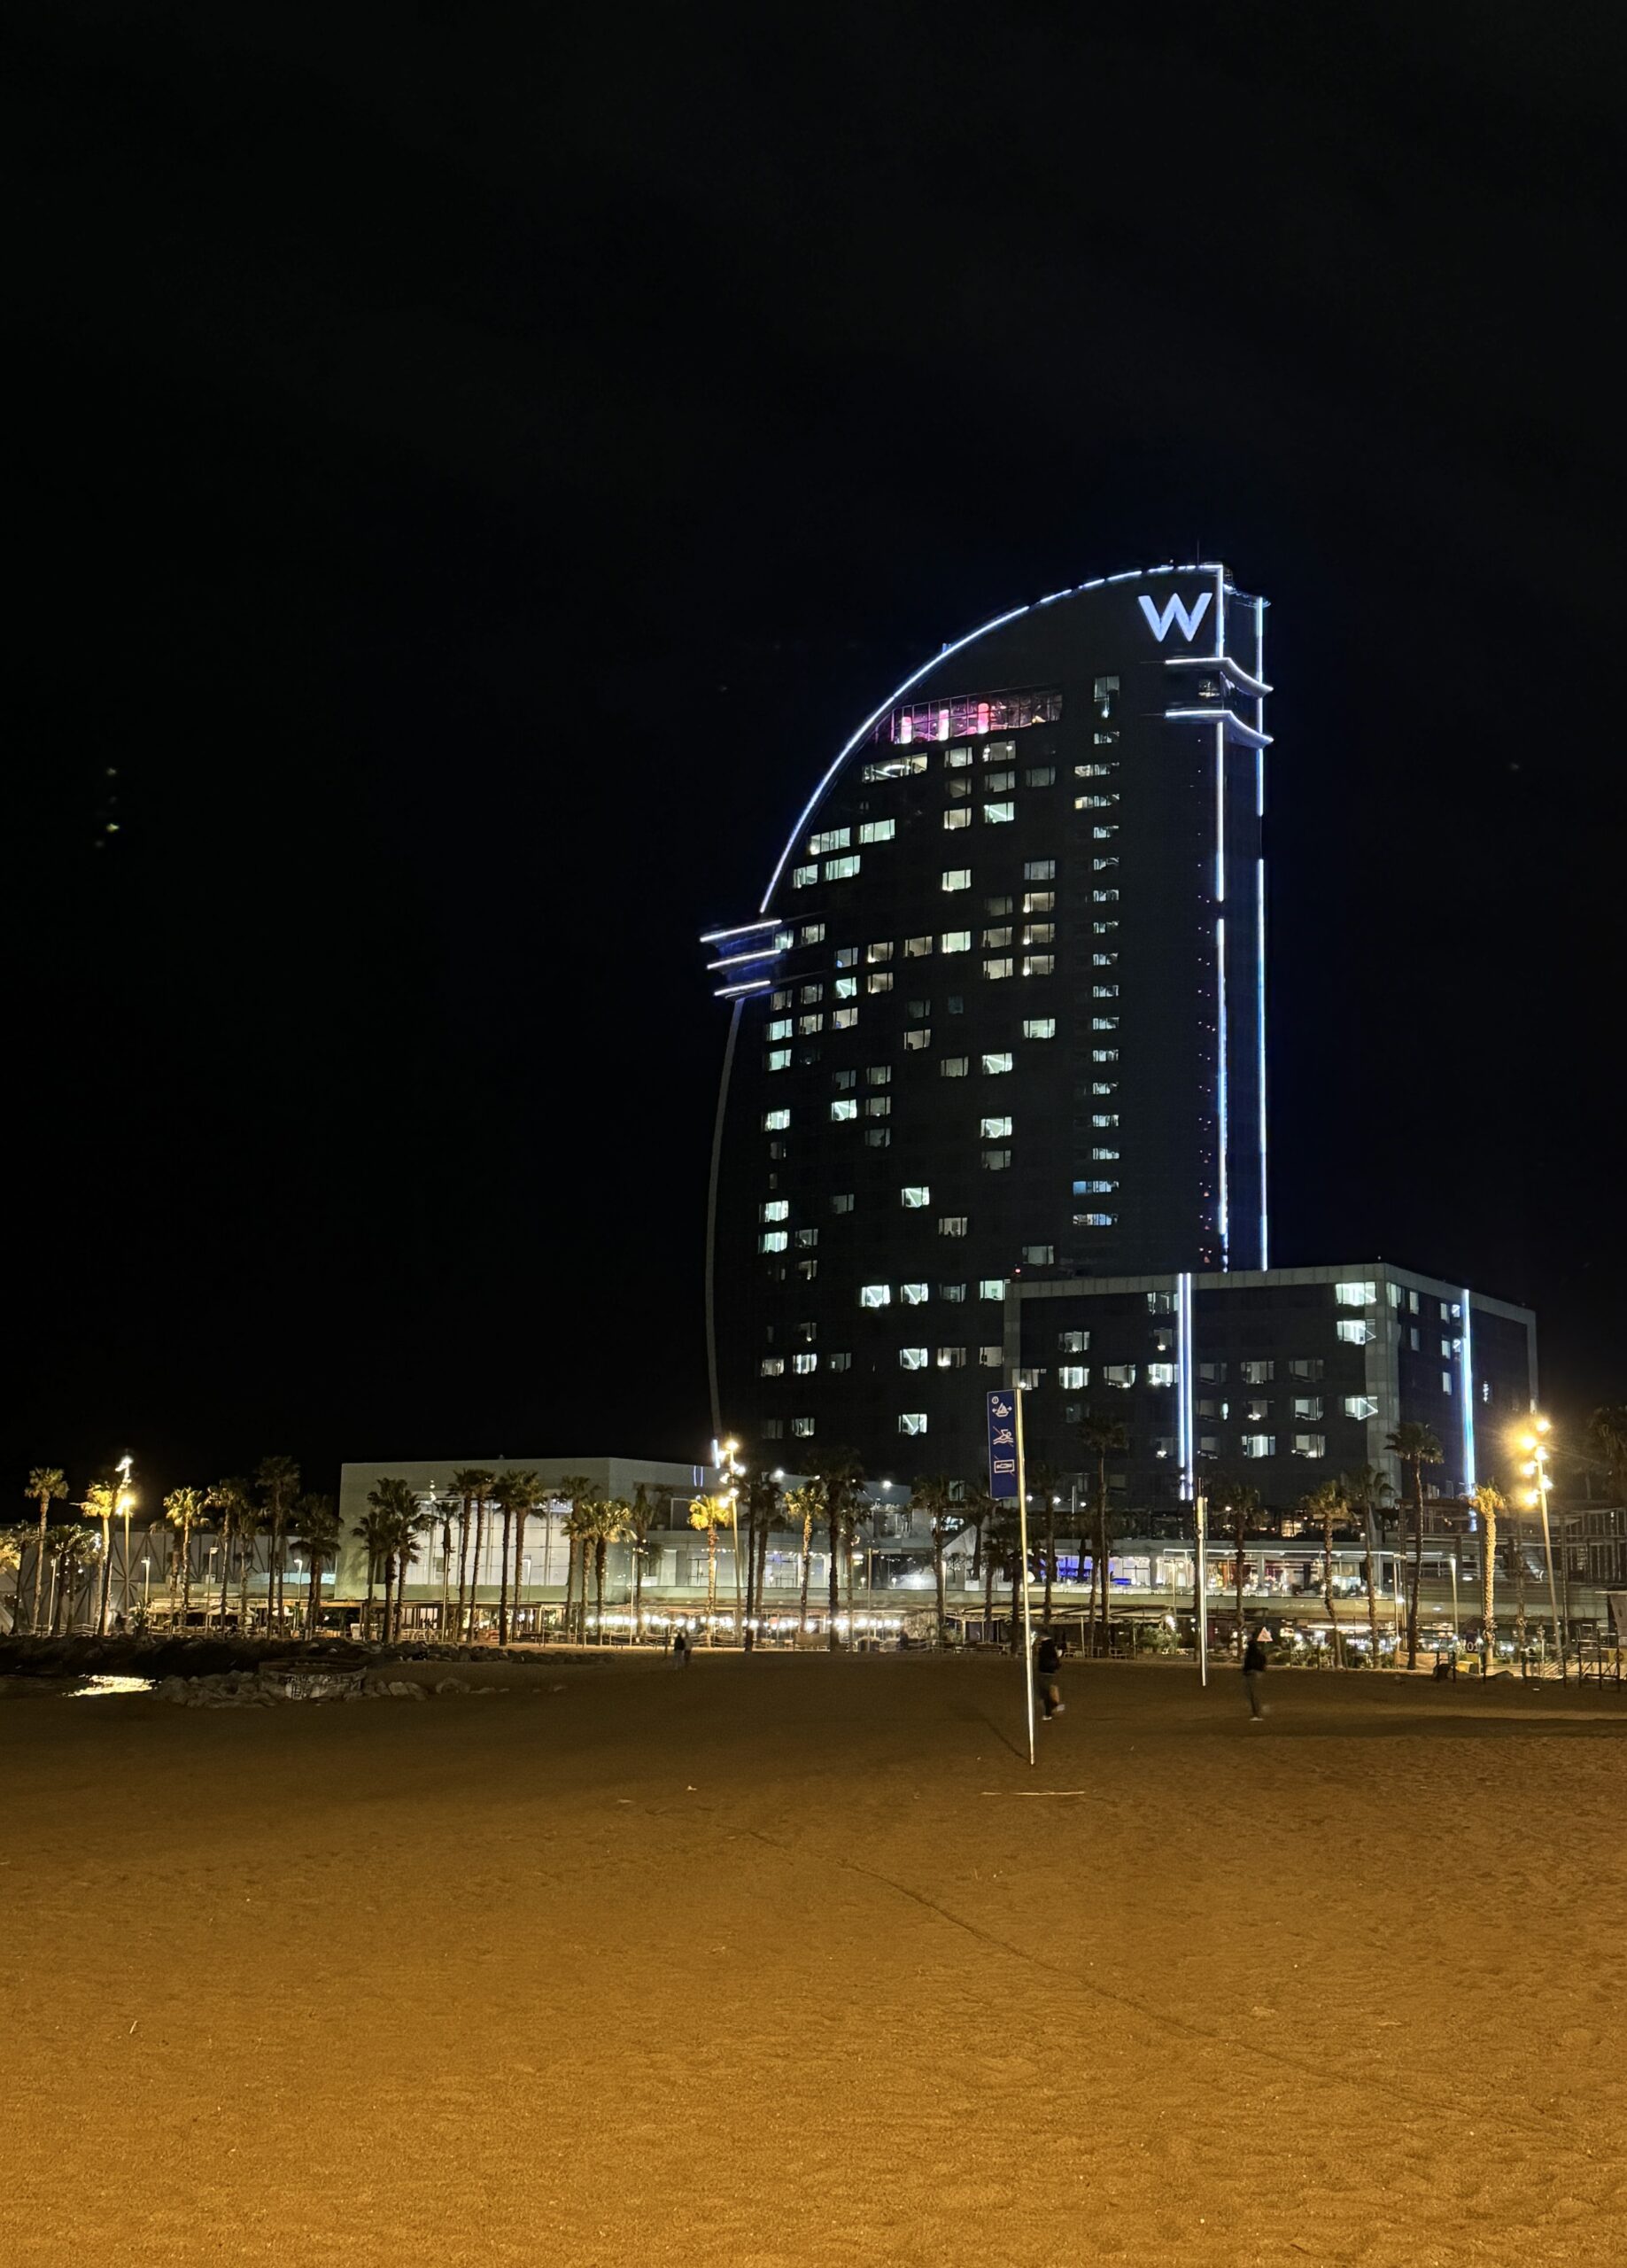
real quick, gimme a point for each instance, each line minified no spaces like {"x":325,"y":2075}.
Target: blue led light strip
{"x":1187,"y":1445}
{"x":1221,"y":1084}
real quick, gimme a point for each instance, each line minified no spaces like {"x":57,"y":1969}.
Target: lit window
{"x":879,"y":1075}
{"x":878,"y":1138}
{"x":1094,"y":1220}
{"x":780,"y":1000}
{"x":880,"y":980}
{"x":1102,"y":1087}
{"x":1039,"y":1027}
{"x":991,"y":1287}
{"x":916,"y":1040}
{"x":1310,"y":1445}
{"x":996,"y":1161}
{"x":1039,"y":1255}
{"x":956,"y":1292}
{"x":1040,"y":775}
{"x":994,"y":1064}
{"x":839,"y":1362}
{"x":843,"y":1019}
{"x":1356,"y":1294}
{"x":1445,"y":1382}
{"x":1213,"y":1373}
{"x":844,"y":1082}
{"x":953,"y":1224}
{"x":773,"y":1241}
{"x":1104,"y":830}
{"x":998,"y":782}
{"x":916,"y":1195}
{"x":1360,"y":1405}
{"x":807,"y":1025}
{"x":810,"y":994}
{"x":999,"y":814}
{"x":811,"y":933}
{"x":875,"y":1296}
{"x":897,"y":767}
{"x":1253,"y":1371}
{"x":1103,"y":691}
{"x":1030,"y":1380}
{"x":878,"y":830}
{"x":780,"y":1028}
{"x":775,"y":1122}
{"x":1038,"y":964}
{"x":1039,"y":933}
{"x":1104,"y":897}
{"x":1104,"y":1118}
{"x":1259,"y":1445}
{"x":806,"y":1237}
{"x":1103,"y":1055}
{"x":878,"y":953}
{"x":995,"y":938}
{"x":994,"y":1130}
{"x":1039,"y":901}
{"x":917,"y":948}
{"x":1103,"y":1157}
{"x":804,"y":877}
{"x":771,"y":1366}
{"x":847,"y":956}
{"x":1072,"y":1376}
{"x":1094,"y":1188}
{"x":956,"y":940}
{"x":772,"y":1428}
{"x":1040,"y":870}
{"x":1104,"y":929}
{"x":958,"y":816}
{"x":952,"y":1358}
{"x":1103,"y":991}
{"x":842,"y":1202}
{"x":956,"y":790}
{"x":1002,"y":966}
{"x":912,"y":1421}
{"x":802,"y":1428}
{"x":912,"y":1358}
{"x":1100,"y":866}
{"x":838,"y":838}
{"x":957,"y":878}
{"x":1073,"y":1342}
{"x":955,"y":1067}
{"x":805,"y":1364}
{"x":914,"y":1295}
{"x":919,"y":1010}
{"x":844,"y":1109}
{"x":991,"y":1358}
{"x":1118,"y":1374}
{"x":1354,"y":1335}
{"x":1308,"y":1407}
{"x":1160,"y":1374}
{"x":776,"y":1209}
{"x":777,"y":1059}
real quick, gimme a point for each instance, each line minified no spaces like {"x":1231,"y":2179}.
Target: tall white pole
{"x":1022,"y":1527}
{"x":1200,"y":1506}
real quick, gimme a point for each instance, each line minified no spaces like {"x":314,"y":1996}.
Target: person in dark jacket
{"x":1046,"y":1666}
{"x":1254,"y":1670}
{"x":680,"y":1648}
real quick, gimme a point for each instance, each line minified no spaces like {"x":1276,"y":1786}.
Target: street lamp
{"x":725,"y":1457}
{"x":1535,"y":1469}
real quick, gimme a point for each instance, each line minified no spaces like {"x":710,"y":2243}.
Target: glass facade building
{"x":1000,"y":1015}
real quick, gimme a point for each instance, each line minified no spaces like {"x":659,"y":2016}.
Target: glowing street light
{"x":1535,"y":1469}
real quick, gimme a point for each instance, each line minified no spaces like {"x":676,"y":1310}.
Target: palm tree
{"x":101,"y":1503}
{"x":440,"y":1509}
{"x":47,"y":1486}
{"x":934,"y":1494}
{"x":1238,"y":1503}
{"x":803,"y":1505}
{"x":516,"y":1495}
{"x":1328,"y":1503}
{"x":762,"y":1502}
{"x":373,"y":1529}
{"x":535,"y":1496}
{"x":234,"y":1505}
{"x":1415,"y":1446}
{"x":1103,"y":1436}
{"x":316,"y":1524}
{"x":839,"y":1478}
{"x":611,"y":1518}
{"x":68,"y":1544}
{"x":389,"y":1536}
{"x":183,"y":1508}
{"x":279,"y":1481}
{"x":13,"y":1543}
{"x":576,"y":1489}
{"x":976,"y":1505}
{"x":1043,"y":1482}
{"x":1365,"y":1488}
{"x":1490,"y":1503}
{"x":640,"y":1520}
{"x":1002,"y":1555}
{"x":710,"y":1513}
{"x":469,"y":1484}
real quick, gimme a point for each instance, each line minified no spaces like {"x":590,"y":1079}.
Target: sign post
{"x":1007,"y":1479}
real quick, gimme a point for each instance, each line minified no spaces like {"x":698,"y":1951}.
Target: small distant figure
{"x":1047,"y":1669}
{"x":1254,"y":1670}
{"x":680,"y":1648}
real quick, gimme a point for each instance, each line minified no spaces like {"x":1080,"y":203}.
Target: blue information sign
{"x":1002,"y":1444}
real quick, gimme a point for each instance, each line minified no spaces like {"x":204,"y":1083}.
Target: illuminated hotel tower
{"x":1001,"y":1015}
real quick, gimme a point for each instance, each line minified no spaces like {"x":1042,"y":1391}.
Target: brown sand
{"x":792,"y":1960}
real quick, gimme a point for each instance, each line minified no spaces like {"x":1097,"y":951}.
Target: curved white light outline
{"x":1246,"y":736}
{"x":1186,"y":1413}
{"x":1014,"y":614}
{"x":740,"y":929}
{"x":1228,"y":667}
{"x":1467,"y":1381}
{"x":1259,"y":927}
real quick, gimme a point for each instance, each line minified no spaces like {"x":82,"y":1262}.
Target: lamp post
{"x":725,"y":1457}
{"x":146,"y":1591}
{"x":124,"y":1500}
{"x":1536,"y":1470}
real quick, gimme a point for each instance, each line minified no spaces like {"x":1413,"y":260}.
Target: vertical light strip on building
{"x":1221,"y":1080}
{"x":1465,"y":1380}
{"x":1259,"y":931}
{"x":1225,"y":1205}
{"x":1187,"y":1443}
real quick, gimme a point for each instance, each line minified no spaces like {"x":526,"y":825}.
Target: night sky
{"x":470,"y":470}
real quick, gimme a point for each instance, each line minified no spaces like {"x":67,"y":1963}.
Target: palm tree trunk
{"x":389,"y":1599}
{"x":1237,"y":1532}
{"x":446,"y":1579}
{"x":226,"y":1573}
{"x":367,"y":1611}
{"x":502,"y":1578}
{"x":1333,"y":1612}
{"x":1416,"y":1571}
{"x":802,"y":1621}
{"x":519,"y":1564}
{"x":1519,"y":1595}
{"x":314,"y":1593}
{"x":988,"y":1592}
{"x":937,"y":1575}
{"x":832,"y":1641}
{"x":39,"y":1567}
{"x":480,"y":1545}
{"x":601,"y":1552}
{"x":571,"y":1577}
{"x":1372,"y":1588}
{"x":637,"y":1584}
{"x":463,"y":1505}
{"x":106,"y":1585}
{"x":1488,"y":1593}
{"x":186,"y":1574}
{"x":846,"y":1561}
{"x":711,"y":1581}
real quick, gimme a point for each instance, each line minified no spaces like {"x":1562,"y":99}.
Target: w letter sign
{"x":1176,"y":611}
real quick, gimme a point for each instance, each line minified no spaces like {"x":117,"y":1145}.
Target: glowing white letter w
{"x":1175,"y":612}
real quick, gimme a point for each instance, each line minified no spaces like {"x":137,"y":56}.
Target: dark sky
{"x":470,"y":469}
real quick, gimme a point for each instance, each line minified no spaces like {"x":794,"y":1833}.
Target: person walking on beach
{"x":1046,"y":1666}
{"x":1254,"y":1670}
{"x":680,"y":1650}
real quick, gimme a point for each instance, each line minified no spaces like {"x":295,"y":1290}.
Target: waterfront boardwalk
{"x":793,"y":1961}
